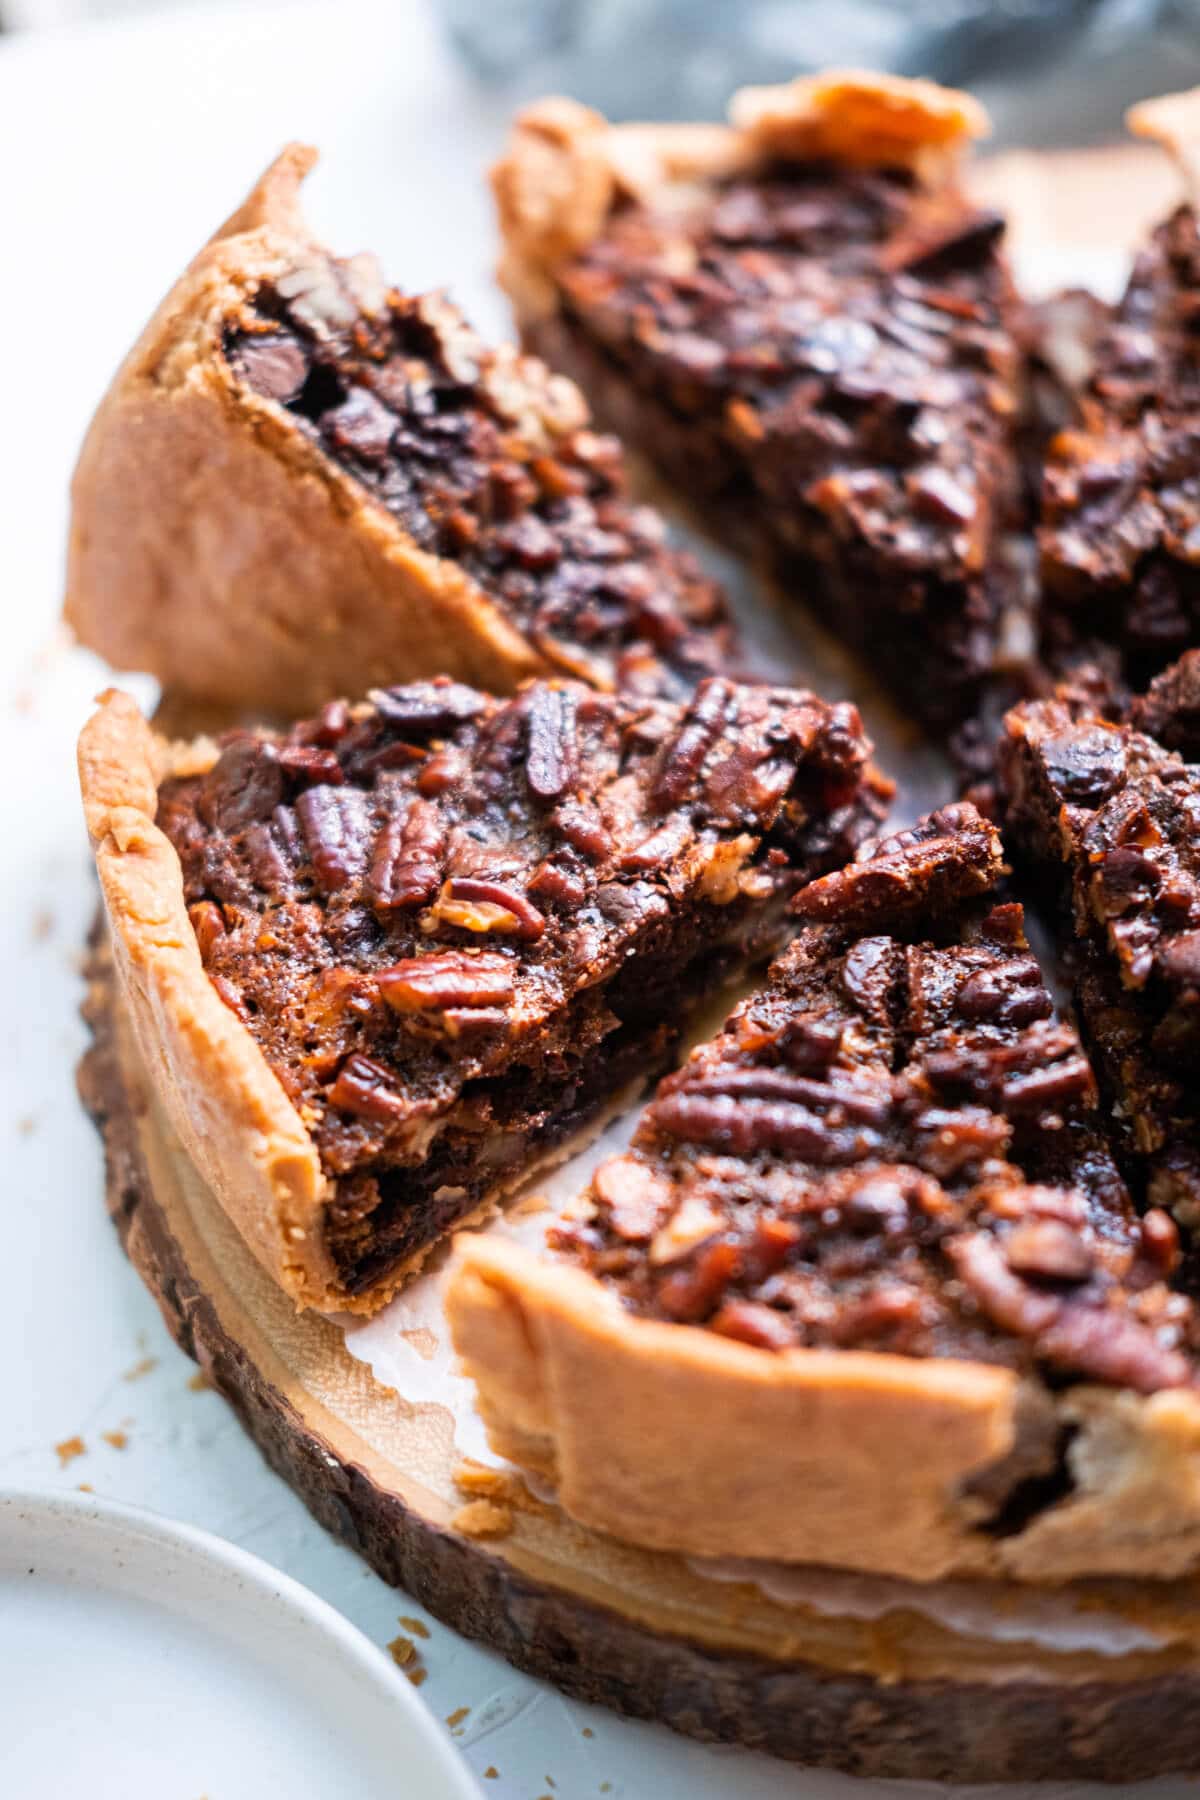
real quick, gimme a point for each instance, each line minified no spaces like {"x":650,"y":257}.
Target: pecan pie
{"x":802,"y":322}
{"x":304,"y":483}
{"x":386,"y":962}
{"x":1120,"y":523}
{"x":1112,"y":818}
{"x":868,"y":1288}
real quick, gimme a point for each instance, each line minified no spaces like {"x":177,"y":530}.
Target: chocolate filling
{"x":896,"y":1146}
{"x":1110,"y":819}
{"x":488,"y":462}
{"x":1120,"y":530}
{"x":456,"y":925}
{"x":823,"y":360}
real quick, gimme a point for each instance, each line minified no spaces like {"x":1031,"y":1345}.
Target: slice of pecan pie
{"x":868,"y":1288}
{"x":1120,"y":526}
{"x":303,"y":483}
{"x":804,"y":324}
{"x":1111,"y":817}
{"x":381,"y":965}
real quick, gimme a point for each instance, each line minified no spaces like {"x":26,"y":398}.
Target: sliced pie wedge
{"x":868,"y":1289}
{"x":303,"y":483}
{"x":805,"y":326}
{"x":1110,"y":819}
{"x":1120,"y":523}
{"x":383,"y":964}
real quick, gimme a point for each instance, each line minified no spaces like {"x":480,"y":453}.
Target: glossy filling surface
{"x":896,"y":1147}
{"x":1120,"y":533}
{"x":456,"y":925}
{"x":823,"y":360}
{"x":1110,"y":819}
{"x":486,"y":460}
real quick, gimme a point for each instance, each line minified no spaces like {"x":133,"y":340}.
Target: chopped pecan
{"x":245,"y":784}
{"x":363,"y":1088}
{"x":488,"y":906}
{"x":1050,"y":1250}
{"x":208,"y":923}
{"x":750,"y":1322}
{"x":583,"y":829}
{"x":688,"y":1293}
{"x":1005,"y":1297}
{"x":425,"y":708}
{"x":311,"y":762}
{"x":1007,"y":993}
{"x":1104,"y":1344}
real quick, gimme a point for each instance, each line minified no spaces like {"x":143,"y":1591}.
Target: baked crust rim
{"x":672,"y":1437}
{"x":215,"y":546}
{"x":225,"y":1103}
{"x":566,"y":166}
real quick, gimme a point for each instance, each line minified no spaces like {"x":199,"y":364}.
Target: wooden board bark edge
{"x":970,"y":1731}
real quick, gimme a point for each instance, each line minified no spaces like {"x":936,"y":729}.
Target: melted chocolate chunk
{"x":489,"y":463}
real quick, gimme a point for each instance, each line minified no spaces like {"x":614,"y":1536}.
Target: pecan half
{"x":336,"y":826}
{"x":453,"y":978}
{"x":406,"y":864}
{"x":682,"y":757}
{"x":553,"y":755}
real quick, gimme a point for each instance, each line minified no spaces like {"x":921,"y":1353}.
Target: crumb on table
{"x":482,"y":1519}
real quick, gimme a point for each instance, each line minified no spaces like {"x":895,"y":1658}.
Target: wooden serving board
{"x":904,"y":1694}
{"x":636,"y":1631}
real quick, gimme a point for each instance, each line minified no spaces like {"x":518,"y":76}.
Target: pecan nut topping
{"x":457,"y":925}
{"x":895,"y":1146}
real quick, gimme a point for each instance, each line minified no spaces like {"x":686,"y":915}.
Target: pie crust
{"x":566,"y":166}
{"x":225,"y":1102}
{"x":679,"y":1437}
{"x":674,"y":889}
{"x":217,"y":544}
{"x":668,"y":1436}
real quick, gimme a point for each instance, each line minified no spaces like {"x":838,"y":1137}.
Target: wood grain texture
{"x":618,"y":1645}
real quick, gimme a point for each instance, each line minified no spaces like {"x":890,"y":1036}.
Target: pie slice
{"x":1120,"y":530}
{"x":805,"y":326}
{"x":303,"y":483}
{"x":382,"y":965}
{"x":868,"y":1289}
{"x":1111,"y":818}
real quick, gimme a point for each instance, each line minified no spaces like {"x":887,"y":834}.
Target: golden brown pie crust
{"x":221,"y":1096}
{"x":214,"y":545}
{"x":566,"y":166}
{"x":675,"y":1438}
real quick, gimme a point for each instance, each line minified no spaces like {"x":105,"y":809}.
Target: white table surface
{"x":121,"y":146}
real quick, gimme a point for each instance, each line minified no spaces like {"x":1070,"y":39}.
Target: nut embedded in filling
{"x":1120,"y":528}
{"x":455,"y":925}
{"x":486,"y":460}
{"x":895,"y":1146}
{"x":823,"y":360}
{"x":1110,"y":818}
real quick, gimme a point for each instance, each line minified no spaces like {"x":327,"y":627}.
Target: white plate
{"x":125,"y":1638}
